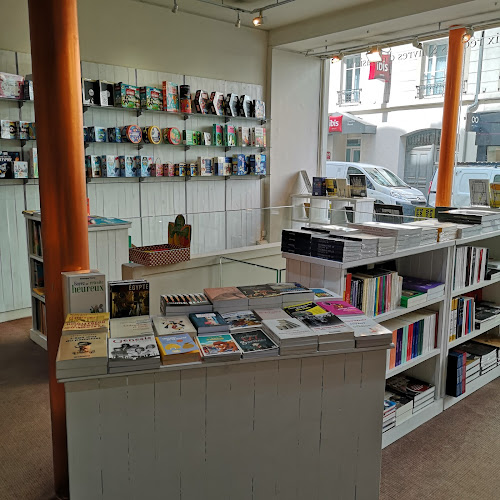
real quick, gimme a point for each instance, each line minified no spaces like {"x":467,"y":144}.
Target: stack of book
{"x":484,"y":312}
{"x":407,"y":236}
{"x":456,"y":373}
{"x":240,"y":321}
{"x":447,"y":231}
{"x":255,"y":344}
{"x":374,"y":291}
{"x":177,"y":348}
{"x":470,"y":266}
{"x":128,"y":298}
{"x":218,"y":347}
{"x":472,"y":368}
{"x":296,"y":241}
{"x":488,"y":219}
{"x":367,"y":333}
{"x":389,"y":421}
{"x":468,"y":230}
{"x":433,"y":289}
{"x":226,"y":299}
{"x":208,"y":323}
{"x":404,"y":406}
{"x":411,"y":298}
{"x":184,"y":303}
{"x":420,"y":392}
{"x":413,"y":334}
{"x":173,"y":325}
{"x":292,"y":293}
{"x":132,"y":345}
{"x":290,"y":334}
{"x":332,"y":333}
{"x":261,"y":296}
{"x":462,"y":317}
{"x":487,"y":354}
{"x":83,"y":346}
{"x":337,"y":249}
{"x":369,"y":245}
{"x":324,"y":294}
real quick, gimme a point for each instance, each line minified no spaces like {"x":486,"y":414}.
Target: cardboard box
{"x":127,"y":96}
{"x":110,"y":166}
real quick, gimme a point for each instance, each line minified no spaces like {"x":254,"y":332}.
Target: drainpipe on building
{"x":473,"y":107}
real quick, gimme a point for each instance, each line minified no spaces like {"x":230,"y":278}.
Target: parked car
{"x":382,"y":184}
{"x":460,"y":195}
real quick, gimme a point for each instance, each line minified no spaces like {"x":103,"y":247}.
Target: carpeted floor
{"x":454,"y":456}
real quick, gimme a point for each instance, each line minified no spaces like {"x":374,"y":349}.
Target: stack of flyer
{"x":404,"y":406}
{"x":132,"y":345}
{"x":389,"y":421}
{"x":290,"y":334}
{"x":83,"y":346}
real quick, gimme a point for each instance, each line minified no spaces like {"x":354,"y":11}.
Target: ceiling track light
{"x":417,"y":44}
{"x":469,"y":33}
{"x":238,"y":21}
{"x":259,"y":20}
{"x":175,"y":8}
{"x":373,"y":55}
{"x":337,"y":57}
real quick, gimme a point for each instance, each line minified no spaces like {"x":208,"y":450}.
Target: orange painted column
{"x":450,"y":117}
{"x":55,"y":55}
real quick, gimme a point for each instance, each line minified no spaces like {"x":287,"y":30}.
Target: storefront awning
{"x":345,"y":123}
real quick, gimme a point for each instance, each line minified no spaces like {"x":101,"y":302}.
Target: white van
{"x":382,"y":184}
{"x":460,"y":195}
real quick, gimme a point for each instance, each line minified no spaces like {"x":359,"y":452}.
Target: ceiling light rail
{"x":338,"y":54}
{"x":258,"y":10}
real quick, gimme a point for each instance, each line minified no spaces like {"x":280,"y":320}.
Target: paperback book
{"x":358,"y":185}
{"x":130,"y":326}
{"x":86,"y":323}
{"x":184,"y":303}
{"x":208,"y":322}
{"x":133,"y":353}
{"x":218,"y":347}
{"x":82,"y":350}
{"x":83,"y":292}
{"x":241,"y":320}
{"x":177,"y":348}
{"x":261,"y":295}
{"x":255,"y":343}
{"x":173,"y":325}
{"x":225,"y":296}
{"x":339,"y":308}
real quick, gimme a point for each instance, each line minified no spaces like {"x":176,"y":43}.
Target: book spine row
{"x":374,"y":296}
{"x":40,"y":317}
{"x":412,"y":340}
{"x":470,"y":266}
{"x":462,"y":317}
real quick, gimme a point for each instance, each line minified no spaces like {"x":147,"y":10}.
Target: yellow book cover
{"x":425,"y":213}
{"x":495,"y":195}
{"x":86,"y":322}
{"x":88,"y":348}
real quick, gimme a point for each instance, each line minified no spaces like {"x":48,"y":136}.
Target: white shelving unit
{"x":108,"y":250}
{"x":325,"y":209}
{"x":435,"y":262}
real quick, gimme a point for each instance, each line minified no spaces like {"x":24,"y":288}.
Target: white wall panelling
{"x":303,"y":425}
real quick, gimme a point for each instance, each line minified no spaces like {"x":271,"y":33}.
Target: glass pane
{"x":353,"y":142}
{"x":356,"y":154}
{"x":347,"y":154}
{"x":356,"y":81}
{"x":357,"y":61}
{"x":349,"y":62}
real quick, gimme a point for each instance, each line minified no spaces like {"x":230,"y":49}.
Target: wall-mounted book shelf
{"x":183,"y":147}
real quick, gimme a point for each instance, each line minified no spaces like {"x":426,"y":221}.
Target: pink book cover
{"x":339,"y":308}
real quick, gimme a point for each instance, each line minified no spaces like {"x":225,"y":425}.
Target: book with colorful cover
{"x":255,"y":342}
{"x":208,"y":322}
{"x":179,"y":348}
{"x":218,"y":347}
{"x":411,"y":297}
{"x":173,"y":325}
{"x":258,"y":291}
{"x":422,"y":285}
{"x":86,"y":322}
{"x":229,"y":135}
{"x":225,"y":296}
{"x":243,"y":137}
{"x":217,"y":135}
{"x":411,"y":387}
{"x":128,"y":298}
{"x":171,"y":97}
{"x":339,"y":308}
{"x":78,"y":350}
{"x":495,"y":195}
{"x":241,"y":320}
{"x":313,"y":316}
{"x":324,"y":293}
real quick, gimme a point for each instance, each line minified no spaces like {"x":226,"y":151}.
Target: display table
{"x":300,"y":427}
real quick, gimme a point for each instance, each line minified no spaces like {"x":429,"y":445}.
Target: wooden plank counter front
{"x":301,"y":427}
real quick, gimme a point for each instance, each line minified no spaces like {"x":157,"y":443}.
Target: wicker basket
{"x":159,"y":255}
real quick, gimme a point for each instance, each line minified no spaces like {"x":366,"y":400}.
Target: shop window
{"x":434,"y":69}
{"x":353,"y":151}
{"x":351,"y":91}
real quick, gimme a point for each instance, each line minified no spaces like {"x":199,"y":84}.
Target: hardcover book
{"x":255,"y":343}
{"x":218,"y":347}
{"x":217,"y":103}
{"x":245,"y":106}
{"x":243,"y":137}
{"x":78,"y":350}
{"x":241,"y":320}
{"x":259,"y":109}
{"x":422,"y":285}
{"x":229,"y":135}
{"x":258,"y":291}
{"x":319,"y":186}
{"x":228,"y":295}
{"x":358,"y":185}
{"x":86,"y":322}
{"x":232,"y":105}
{"x":183,"y":301}
{"x":208,"y":322}
{"x":314,"y":316}
{"x":128,"y":298}
{"x":217,"y":135}
{"x":177,"y":348}
{"x":205,"y":166}
{"x":170,"y":97}
{"x":202,"y":102}
{"x":130,"y":326}
{"x":83,"y":292}
{"x":173,"y":325}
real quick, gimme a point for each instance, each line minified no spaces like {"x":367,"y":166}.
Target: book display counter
{"x":453,"y":282}
{"x":260,"y":428}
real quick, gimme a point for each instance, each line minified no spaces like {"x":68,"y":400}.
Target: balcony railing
{"x":349,"y":97}
{"x":435,"y":89}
